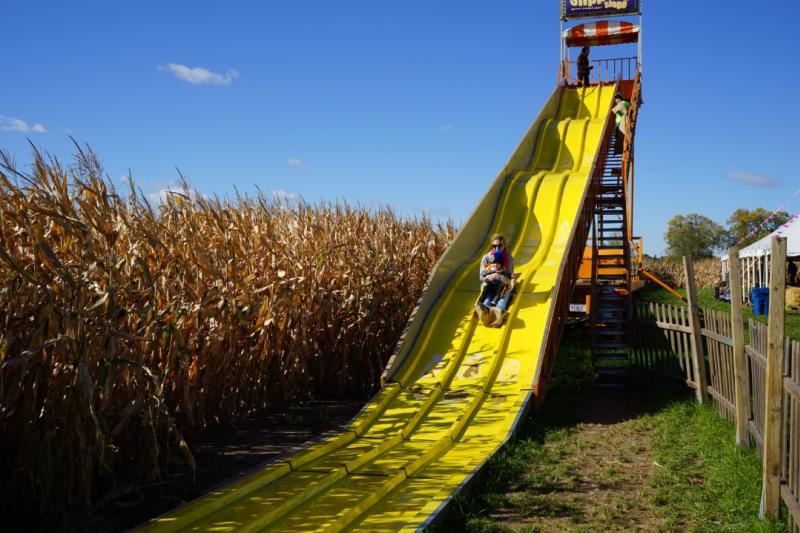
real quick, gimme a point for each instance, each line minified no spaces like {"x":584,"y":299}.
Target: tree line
{"x":696,"y":235}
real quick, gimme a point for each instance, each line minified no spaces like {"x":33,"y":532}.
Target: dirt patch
{"x":221,"y":458}
{"x":590,"y":477}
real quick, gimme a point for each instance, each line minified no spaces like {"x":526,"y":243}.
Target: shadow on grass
{"x":572,"y":399}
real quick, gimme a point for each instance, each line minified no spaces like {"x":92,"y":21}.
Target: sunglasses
{"x":495,"y":245}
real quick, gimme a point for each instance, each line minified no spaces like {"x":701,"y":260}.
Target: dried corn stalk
{"x":125,"y":327}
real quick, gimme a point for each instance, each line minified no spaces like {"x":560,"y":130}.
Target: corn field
{"x":126,"y":327}
{"x":707,"y":271}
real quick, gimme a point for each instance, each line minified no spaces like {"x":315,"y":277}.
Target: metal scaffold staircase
{"x":611,"y":295}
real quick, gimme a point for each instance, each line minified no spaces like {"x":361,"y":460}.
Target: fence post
{"x":742,"y":393}
{"x":771,"y":492}
{"x":697,"y":340}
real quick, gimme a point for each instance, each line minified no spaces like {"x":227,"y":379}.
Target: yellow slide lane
{"x":455,"y":390}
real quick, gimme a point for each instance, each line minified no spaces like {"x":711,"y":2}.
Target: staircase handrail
{"x":663,"y":284}
{"x":571,"y":261}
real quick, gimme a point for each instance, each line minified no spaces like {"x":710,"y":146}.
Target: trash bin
{"x":759,"y":296}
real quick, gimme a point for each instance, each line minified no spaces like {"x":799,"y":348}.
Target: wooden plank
{"x":658,"y":351}
{"x":792,"y":503}
{"x":662,"y":325}
{"x":771,"y":500}
{"x":672,"y":335}
{"x":791,"y":387}
{"x":709,"y":320}
{"x":726,"y":356}
{"x":758,"y":396}
{"x":644,"y":338}
{"x":670,"y":355}
{"x":752,"y":384}
{"x":717,"y":347}
{"x":721,"y":399}
{"x":794,"y":435}
{"x":697,"y":340}
{"x":758,"y":357}
{"x":730,"y":374}
{"x":652,"y":353}
{"x":789,"y":432}
{"x":686,"y":351}
{"x":756,"y":434}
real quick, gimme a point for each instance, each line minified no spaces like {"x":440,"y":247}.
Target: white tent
{"x":755,"y":258}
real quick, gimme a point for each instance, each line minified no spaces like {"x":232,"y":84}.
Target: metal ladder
{"x":611,"y":297}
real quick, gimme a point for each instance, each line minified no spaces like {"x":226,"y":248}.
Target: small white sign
{"x":577,"y":308}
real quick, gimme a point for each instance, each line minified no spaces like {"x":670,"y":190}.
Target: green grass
{"x":703,"y":481}
{"x":509,"y":469}
{"x":705,"y":300}
{"x":698,"y":480}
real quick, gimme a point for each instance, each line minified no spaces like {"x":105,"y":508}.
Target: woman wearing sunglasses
{"x":496,"y":273}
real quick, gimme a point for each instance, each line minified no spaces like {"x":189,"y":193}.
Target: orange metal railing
{"x":628,"y":151}
{"x":663,"y":284}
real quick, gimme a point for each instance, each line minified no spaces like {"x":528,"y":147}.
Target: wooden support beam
{"x":741,"y":391}
{"x":698,"y":357}
{"x":771,"y":494}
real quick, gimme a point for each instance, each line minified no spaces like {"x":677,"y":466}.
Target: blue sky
{"x":415,"y":104}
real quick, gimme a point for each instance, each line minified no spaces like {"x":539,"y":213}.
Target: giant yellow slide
{"x":455,"y":390}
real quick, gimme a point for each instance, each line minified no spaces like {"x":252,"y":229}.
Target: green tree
{"x":743,"y":221}
{"x":693,"y":235}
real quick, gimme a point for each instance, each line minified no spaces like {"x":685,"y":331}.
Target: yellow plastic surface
{"x":457,"y":391}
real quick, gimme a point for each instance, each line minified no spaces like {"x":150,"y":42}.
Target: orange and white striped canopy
{"x":601,"y":33}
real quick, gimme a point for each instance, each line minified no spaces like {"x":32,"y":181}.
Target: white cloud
{"x":296,"y":163}
{"x":20,"y":126}
{"x":157,"y":198}
{"x":152,"y":185}
{"x":199,"y":75}
{"x":751,"y":178}
{"x":160,"y":196}
{"x":446,"y":128}
{"x":282,"y":195}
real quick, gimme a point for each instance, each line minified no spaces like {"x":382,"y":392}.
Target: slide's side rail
{"x":570,"y":264}
{"x":472,"y":236}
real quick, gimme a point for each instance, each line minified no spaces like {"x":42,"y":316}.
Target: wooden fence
{"x":790,"y":451}
{"x":662,"y":347}
{"x":661,"y":342}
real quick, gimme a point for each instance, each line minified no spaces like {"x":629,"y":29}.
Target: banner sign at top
{"x":577,"y":9}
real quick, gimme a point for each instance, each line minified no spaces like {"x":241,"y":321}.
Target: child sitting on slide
{"x":497,"y":281}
